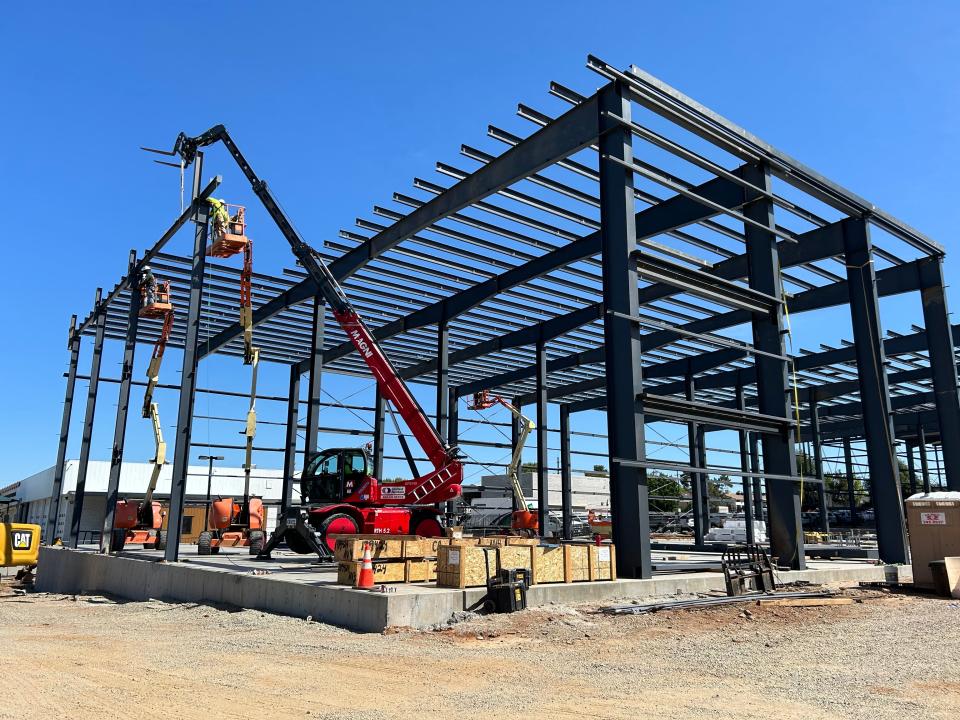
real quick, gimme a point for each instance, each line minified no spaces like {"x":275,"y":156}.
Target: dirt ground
{"x":891,"y":656}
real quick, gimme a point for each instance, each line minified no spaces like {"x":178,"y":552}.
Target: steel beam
{"x":123,"y":404}
{"x":56,"y":491}
{"x":629,"y":498}
{"x":100,"y":314}
{"x":315,"y":367}
{"x":783,"y":499}
{"x":290,"y":439}
{"x":188,"y":377}
{"x":874,"y":392}
{"x":940,"y":344}
{"x":543,"y":468}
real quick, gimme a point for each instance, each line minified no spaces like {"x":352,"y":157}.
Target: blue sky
{"x":340,"y":106}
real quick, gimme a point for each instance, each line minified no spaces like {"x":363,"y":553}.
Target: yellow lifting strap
{"x":251,"y":428}
{"x":246,"y":322}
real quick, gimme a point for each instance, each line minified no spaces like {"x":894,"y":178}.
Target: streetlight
{"x":206,"y":509}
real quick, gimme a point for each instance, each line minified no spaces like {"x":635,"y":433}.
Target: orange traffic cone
{"x":365,"y":576}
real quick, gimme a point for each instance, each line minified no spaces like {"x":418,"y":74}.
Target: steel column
{"x":924,"y":460}
{"x":757,"y":485}
{"x":88,"y":418}
{"x":851,"y":495}
{"x":936,"y":319}
{"x":453,"y":417}
{"x":379,"y":418}
{"x":911,"y":469}
{"x":703,"y":478}
{"x":123,"y":404}
{"x":818,"y":461}
{"x":748,"y":514}
{"x":56,"y":492}
{"x":315,"y":381}
{"x":543,"y":468}
{"x":936,"y":459}
{"x":779,"y":458}
{"x":874,"y":393}
{"x":696,"y":483}
{"x":188,"y":377}
{"x":566,"y":474}
{"x":629,"y":497}
{"x":443,"y":377}
{"x":290,"y":439}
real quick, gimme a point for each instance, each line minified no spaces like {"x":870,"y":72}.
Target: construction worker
{"x":219,"y":216}
{"x":148,"y":286}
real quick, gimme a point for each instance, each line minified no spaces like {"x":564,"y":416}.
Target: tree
{"x":660,"y":485}
{"x":599,"y":468}
{"x":528,"y":467}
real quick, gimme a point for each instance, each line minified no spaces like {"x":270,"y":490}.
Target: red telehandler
{"x":339,"y":493}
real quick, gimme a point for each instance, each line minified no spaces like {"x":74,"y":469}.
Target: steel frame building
{"x":603,"y":262}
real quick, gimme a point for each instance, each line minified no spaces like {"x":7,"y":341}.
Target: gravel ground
{"x":885,"y":657}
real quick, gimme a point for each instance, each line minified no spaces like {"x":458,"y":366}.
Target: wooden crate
{"x":463,"y":566}
{"x":504,"y":540}
{"x":349,"y":548}
{"x":603,"y":562}
{"x":460,"y":566}
{"x":389,"y":571}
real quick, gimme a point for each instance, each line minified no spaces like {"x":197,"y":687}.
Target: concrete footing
{"x":292,"y":586}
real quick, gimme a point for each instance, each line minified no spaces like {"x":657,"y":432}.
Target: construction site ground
{"x":884,"y":656}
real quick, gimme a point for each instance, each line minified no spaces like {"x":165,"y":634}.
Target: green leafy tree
{"x":659,"y":486}
{"x":599,"y":468}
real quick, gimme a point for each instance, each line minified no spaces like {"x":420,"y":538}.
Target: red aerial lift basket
{"x":161,"y":305}
{"x":234,"y":238}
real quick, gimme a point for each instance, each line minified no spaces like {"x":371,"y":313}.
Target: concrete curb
{"x":66,"y":571}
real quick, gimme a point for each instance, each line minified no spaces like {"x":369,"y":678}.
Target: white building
{"x":589,"y":491}
{"x":33,"y":493}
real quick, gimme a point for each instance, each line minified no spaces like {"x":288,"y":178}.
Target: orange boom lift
{"x":142,"y":522}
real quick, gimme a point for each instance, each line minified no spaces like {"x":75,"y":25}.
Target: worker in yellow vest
{"x":219,"y":216}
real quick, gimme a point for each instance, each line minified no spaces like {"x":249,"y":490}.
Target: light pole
{"x":206,"y":508}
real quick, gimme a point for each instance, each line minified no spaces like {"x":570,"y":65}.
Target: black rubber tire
{"x":215,"y":550}
{"x":203,"y":543}
{"x":118,"y":540}
{"x":329,"y":520}
{"x":256,"y":541}
{"x":161,"y":543}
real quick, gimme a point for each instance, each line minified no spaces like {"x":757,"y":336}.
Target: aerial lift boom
{"x":524,"y":520}
{"x":443,"y":482}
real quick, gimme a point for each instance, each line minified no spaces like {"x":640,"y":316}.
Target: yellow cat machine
{"x":19,"y":542}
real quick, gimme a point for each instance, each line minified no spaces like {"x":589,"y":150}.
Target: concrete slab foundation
{"x":292,"y":585}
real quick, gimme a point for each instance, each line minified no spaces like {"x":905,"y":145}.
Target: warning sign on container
{"x":933,"y":518}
